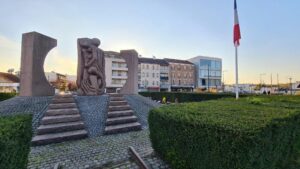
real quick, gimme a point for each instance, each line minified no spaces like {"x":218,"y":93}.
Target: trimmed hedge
{"x":5,"y":96}
{"x":185,"y":97}
{"x":226,"y":134}
{"x":15,"y":136}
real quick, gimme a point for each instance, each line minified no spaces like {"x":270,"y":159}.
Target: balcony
{"x":119,"y":77}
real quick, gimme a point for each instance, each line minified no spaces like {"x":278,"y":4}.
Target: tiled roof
{"x":153,"y":61}
{"x":178,"y":61}
{"x":8,"y":78}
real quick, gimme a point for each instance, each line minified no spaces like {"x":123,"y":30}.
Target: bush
{"x":225,"y":134}
{"x":5,"y":96}
{"x":15,"y":136}
{"x":185,"y":97}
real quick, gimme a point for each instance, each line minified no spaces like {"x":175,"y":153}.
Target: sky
{"x":179,"y":29}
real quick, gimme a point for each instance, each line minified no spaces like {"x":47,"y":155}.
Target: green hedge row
{"x":226,"y":134}
{"x":15,"y":136}
{"x":5,"y":96}
{"x":185,"y":97}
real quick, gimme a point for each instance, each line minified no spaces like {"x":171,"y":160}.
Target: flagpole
{"x":236,"y":73}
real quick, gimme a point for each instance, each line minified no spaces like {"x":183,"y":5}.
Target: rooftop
{"x":8,"y":78}
{"x":177,"y":61}
{"x":153,"y":61}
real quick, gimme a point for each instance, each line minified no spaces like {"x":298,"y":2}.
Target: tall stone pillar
{"x":131,"y":59}
{"x":35,"y":48}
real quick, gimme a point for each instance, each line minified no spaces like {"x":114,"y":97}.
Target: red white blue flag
{"x":236,"y":29}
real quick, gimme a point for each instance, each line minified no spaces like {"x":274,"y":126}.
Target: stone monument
{"x":91,"y":67}
{"x":131,"y":59}
{"x":35,"y":47}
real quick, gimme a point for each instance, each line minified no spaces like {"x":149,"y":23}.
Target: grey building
{"x":208,"y":72}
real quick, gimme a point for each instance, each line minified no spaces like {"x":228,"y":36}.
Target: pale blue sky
{"x":164,"y":28}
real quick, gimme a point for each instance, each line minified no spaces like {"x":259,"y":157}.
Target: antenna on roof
{"x":153,"y":57}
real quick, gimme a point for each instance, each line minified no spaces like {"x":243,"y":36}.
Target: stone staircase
{"x":61,"y":122}
{"x":120,"y":116}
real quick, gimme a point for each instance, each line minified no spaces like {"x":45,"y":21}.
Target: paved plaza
{"x":98,"y":150}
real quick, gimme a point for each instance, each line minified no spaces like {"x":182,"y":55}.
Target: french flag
{"x":236,"y":29}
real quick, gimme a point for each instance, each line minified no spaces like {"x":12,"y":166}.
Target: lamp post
{"x":291,"y":85}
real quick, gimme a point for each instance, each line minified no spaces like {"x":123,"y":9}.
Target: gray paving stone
{"x":36,"y":106}
{"x":141,"y":105}
{"x":111,"y":150}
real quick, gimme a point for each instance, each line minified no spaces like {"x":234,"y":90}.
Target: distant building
{"x":115,"y":71}
{"x":243,"y":88}
{"x":57,"y":80}
{"x":153,"y":75}
{"x":208,"y":72}
{"x":182,"y":75}
{"x":9,"y":83}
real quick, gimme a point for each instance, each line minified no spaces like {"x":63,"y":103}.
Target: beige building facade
{"x":182,"y":75}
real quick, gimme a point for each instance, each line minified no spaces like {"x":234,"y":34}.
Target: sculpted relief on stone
{"x":91,"y":67}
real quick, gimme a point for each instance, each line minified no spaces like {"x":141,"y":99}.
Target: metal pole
{"x":291,"y":86}
{"x":236,"y":74}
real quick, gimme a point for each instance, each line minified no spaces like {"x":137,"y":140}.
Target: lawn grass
{"x":15,"y":136}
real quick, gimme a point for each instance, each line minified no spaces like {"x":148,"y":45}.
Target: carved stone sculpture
{"x":91,"y":67}
{"x":35,"y":47}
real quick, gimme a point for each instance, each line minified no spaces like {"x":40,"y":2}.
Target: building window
{"x":203,"y":82}
{"x":147,"y":75}
{"x":153,"y":75}
{"x":147,"y":66}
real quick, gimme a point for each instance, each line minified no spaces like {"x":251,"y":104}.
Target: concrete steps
{"x":119,"y":108}
{"x":58,"y":137}
{"x":117,"y":103}
{"x":54,"y":112}
{"x":62,"y":122}
{"x":60,"y":127}
{"x":120,"y":116}
{"x":121,"y":120}
{"x":114,"y":129}
{"x":63,"y":100}
{"x":62,"y":105}
{"x":60,"y":119}
{"x":113,"y":114}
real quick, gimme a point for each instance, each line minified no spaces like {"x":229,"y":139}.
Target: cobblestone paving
{"x":152,"y":161}
{"x":141,"y":105}
{"x":93,"y":110}
{"x":97,"y":152}
{"x":36,"y":106}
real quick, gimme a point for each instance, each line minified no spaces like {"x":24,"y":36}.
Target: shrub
{"x":225,"y":134}
{"x":15,"y":136}
{"x":185,"y":97}
{"x":5,"y":96}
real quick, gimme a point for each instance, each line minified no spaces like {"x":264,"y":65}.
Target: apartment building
{"x":182,"y":75}
{"x":149,"y":74}
{"x":208,"y":72}
{"x":115,"y":71}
